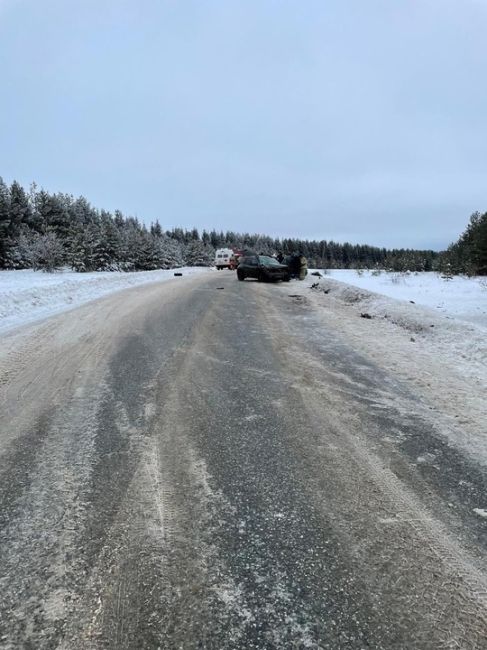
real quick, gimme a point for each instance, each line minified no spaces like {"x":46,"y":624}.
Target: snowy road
{"x":212,"y":464}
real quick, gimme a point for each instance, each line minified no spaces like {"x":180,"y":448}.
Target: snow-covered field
{"x":28,"y":296}
{"x":461,"y":297}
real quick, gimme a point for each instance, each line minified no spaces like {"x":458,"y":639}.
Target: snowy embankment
{"x":460,"y":297}
{"x":28,"y":296}
{"x":428,"y":331}
{"x":449,"y":315}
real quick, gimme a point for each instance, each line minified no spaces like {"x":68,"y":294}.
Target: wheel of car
{"x":240,"y":275}
{"x":261,"y":276}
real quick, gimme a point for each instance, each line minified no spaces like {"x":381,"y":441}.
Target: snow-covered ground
{"x":430,"y":332}
{"x":461,"y":297}
{"x":28,"y":296}
{"x":450,"y":315}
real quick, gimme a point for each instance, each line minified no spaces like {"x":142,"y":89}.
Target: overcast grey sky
{"x":352,"y":120}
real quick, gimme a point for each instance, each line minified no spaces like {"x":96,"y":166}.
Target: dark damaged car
{"x":263,"y":268}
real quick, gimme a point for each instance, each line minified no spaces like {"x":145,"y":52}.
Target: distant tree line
{"x":46,"y":231}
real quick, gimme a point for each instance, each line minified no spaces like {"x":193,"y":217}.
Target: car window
{"x":268,"y":261}
{"x":250,"y":261}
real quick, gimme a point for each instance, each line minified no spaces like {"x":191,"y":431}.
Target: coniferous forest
{"x":41,"y":230}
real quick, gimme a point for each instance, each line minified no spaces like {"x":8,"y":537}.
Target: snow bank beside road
{"x":457,"y":332}
{"x":443,"y":357}
{"x":461,"y":297}
{"x":27,"y":296}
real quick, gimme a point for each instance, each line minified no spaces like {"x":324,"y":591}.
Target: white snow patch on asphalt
{"x":481,"y":512}
{"x":28,"y":296}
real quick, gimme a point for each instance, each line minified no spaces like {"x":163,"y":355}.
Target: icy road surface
{"x":217,"y":464}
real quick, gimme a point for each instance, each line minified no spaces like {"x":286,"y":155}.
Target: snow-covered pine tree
{"x":197,"y":254}
{"x":19,"y":211}
{"x":81,"y":255}
{"x":170,"y":254}
{"x":156,"y":230}
{"x":106,"y":245}
{"x":4,"y":222}
{"x":51,"y":214}
{"x":148,"y":252}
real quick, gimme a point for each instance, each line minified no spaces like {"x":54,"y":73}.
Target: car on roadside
{"x":263,"y":268}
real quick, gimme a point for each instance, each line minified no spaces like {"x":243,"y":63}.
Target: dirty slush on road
{"x":183,"y":467}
